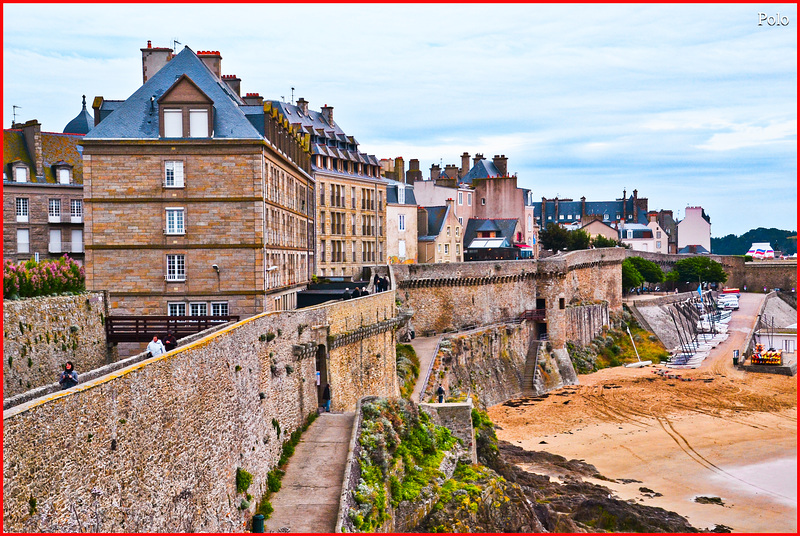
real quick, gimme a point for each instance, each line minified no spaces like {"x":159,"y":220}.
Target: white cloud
{"x":752,"y":136}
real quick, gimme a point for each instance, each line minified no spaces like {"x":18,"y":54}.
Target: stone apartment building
{"x":351,"y":196}
{"x":440,"y":234}
{"x":198,"y":201}
{"x":694,"y":231}
{"x":43,"y":191}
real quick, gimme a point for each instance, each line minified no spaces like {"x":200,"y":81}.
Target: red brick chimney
{"x":234,"y":82}
{"x":213,"y":61}
{"x":327,"y":114}
{"x":153,"y":59}
{"x":253,"y":99}
{"x":303,"y":105}
{"x":501,"y":163}
{"x":464,"y":164}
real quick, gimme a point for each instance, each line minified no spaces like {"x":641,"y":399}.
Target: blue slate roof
{"x":481,"y":170}
{"x":436,"y":219}
{"x":573,"y":208}
{"x":82,"y":123}
{"x":137,"y":117}
{"x":391,"y":192}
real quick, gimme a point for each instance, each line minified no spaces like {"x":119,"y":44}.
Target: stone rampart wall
{"x":584,"y":322}
{"x":457,"y":418}
{"x":41,"y":334}
{"x":155,"y":447}
{"x":451,"y":296}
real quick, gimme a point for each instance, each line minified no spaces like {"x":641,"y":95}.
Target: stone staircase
{"x":531,"y":367}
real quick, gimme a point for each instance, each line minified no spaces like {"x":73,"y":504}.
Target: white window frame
{"x":23,"y":209}
{"x":198,"y":309}
{"x":54,"y":211}
{"x":21,"y":174}
{"x":177,"y":175}
{"x":447,"y":249}
{"x":401,"y":222}
{"x":173,"y":123}
{"x":76,"y":210}
{"x":176,"y":309}
{"x":460,"y":198}
{"x":198,"y":123}
{"x":219,"y":309}
{"x":54,"y":241}
{"x":176,"y":267}
{"x":469,"y":199}
{"x":64,"y":176}
{"x":175,"y":218}
{"x":76,"y":241}
{"x":401,"y":195}
{"x":23,"y":246}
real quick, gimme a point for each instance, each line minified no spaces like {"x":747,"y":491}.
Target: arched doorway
{"x":322,"y":371}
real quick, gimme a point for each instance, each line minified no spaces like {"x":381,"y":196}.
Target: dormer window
{"x":21,"y":173}
{"x":185,"y":111}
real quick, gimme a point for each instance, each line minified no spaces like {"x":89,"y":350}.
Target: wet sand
{"x":725,"y":434}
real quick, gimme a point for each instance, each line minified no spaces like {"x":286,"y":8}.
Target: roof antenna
{"x":175,"y":44}
{"x":283,"y":98}
{"x":14,"y":111}
{"x":291,"y":101}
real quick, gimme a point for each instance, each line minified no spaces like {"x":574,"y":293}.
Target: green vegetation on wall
{"x":407,"y":368}
{"x":401,"y":446}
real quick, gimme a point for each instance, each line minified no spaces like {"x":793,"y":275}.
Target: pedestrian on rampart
{"x":326,"y":397}
{"x":440,"y":393}
{"x":377,"y":283}
{"x":155,"y":347}
{"x":170,"y":342}
{"x":68,"y":378}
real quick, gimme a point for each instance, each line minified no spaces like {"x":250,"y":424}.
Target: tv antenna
{"x":283,"y":98}
{"x":291,"y":101}
{"x":14,"y":113}
{"x":175,"y":44}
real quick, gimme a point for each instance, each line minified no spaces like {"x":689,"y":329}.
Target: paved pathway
{"x":308,"y":500}
{"x":424,"y":346}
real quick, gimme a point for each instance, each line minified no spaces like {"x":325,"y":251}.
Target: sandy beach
{"x":713,"y":432}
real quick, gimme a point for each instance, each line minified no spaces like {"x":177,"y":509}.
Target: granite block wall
{"x":41,"y":334}
{"x":155,"y":447}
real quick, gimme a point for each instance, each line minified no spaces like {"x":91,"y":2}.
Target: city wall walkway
{"x":425,"y":347}
{"x":308,"y":500}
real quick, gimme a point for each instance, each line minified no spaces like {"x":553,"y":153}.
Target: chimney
{"x":97,"y":103}
{"x":153,"y":59}
{"x":234,"y":82}
{"x":624,"y":205}
{"x":501,"y":163}
{"x":422,"y":221}
{"x":303,"y":105}
{"x":400,"y":169}
{"x":555,"y":214}
{"x":652,"y":216}
{"x":435,"y":170}
{"x":213,"y":61}
{"x":327,"y":114}
{"x":451,"y":171}
{"x":464,"y":163}
{"x":413,"y":174}
{"x":478,"y":158}
{"x":32,"y":131}
{"x":253,"y":99}
{"x":583,"y":206}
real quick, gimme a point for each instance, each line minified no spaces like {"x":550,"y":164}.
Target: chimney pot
{"x":149,"y":44}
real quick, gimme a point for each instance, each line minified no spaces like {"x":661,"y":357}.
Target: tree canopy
{"x":650,"y":271}
{"x":699,"y":269}
{"x":601,"y":241}
{"x":630,"y":275}
{"x":557,"y":238}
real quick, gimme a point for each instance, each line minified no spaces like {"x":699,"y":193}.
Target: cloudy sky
{"x":689,"y":104}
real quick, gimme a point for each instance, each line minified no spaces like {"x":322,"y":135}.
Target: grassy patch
{"x":407,"y":368}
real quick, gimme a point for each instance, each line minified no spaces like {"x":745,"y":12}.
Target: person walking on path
{"x":377,"y":283}
{"x":170,"y":342}
{"x":440,"y":393}
{"x":68,"y":378}
{"x":155,"y":347}
{"x":326,"y":397}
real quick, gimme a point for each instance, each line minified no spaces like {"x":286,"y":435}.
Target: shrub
{"x":243,"y":480}
{"x":29,"y":279}
{"x":274,"y":480}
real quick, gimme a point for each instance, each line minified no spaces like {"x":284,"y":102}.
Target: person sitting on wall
{"x":155,"y":347}
{"x":356,"y":293}
{"x":170,"y":342}
{"x":440,"y":393}
{"x":346,"y":294}
{"x":68,"y":378}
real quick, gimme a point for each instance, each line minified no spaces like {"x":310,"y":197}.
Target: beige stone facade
{"x":401,"y":233}
{"x":351,"y":222}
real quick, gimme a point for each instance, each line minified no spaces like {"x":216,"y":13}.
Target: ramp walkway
{"x":425,"y":347}
{"x":308,"y":500}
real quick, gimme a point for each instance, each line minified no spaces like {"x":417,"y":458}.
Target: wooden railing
{"x":143,"y":328}
{"x":533,"y":314}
